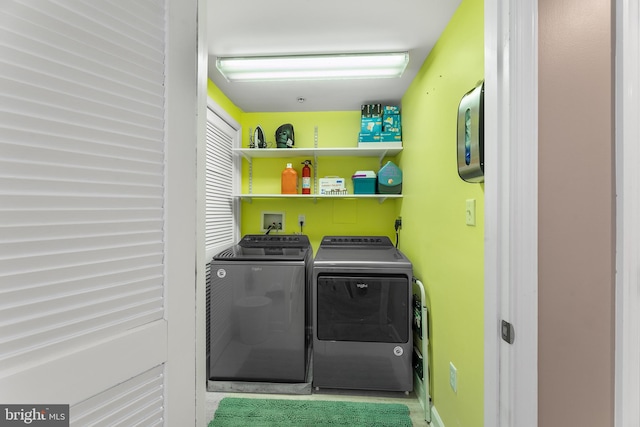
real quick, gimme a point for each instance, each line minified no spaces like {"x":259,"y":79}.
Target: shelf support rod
{"x":315,"y":162}
{"x":250,"y":177}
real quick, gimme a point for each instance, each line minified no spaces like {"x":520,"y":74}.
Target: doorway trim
{"x":511,"y":217}
{"x":627,"y":105}
{"x":511,"y":228}
{"x":200,"y":303}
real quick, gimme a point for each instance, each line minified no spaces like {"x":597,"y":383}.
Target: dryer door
{"x":365,"y":308}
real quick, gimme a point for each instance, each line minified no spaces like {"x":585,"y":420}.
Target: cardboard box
{"x":391,"y":123}
{"x":371,"y":124}
{"x":368,"y":137}
{"x":371,"y":110}
{"x":390,"y":109}
{"x":390,"y":137}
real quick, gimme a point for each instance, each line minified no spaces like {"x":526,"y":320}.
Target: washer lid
{"x":275,"y":240}
{"x":370,"y":251}
{"x":264,"y":247}
{"x":241,"y":253}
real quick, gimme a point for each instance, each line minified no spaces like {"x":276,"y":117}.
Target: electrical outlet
{"x":398,"y":223}
{"x":453,"y":377}
{"x":301,"y":219}
{"x":470,"y":212}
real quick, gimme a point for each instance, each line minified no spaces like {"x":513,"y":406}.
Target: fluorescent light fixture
{"x":314,"y":67}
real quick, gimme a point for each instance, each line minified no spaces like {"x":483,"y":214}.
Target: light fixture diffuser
{"x":314,"y":67}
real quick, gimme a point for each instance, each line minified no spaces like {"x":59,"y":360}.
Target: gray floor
{"x":415,"y":409}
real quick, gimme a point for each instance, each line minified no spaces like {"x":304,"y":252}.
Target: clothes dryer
{"x":362,"y":315}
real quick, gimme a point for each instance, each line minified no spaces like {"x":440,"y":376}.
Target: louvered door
{"x":85,"y":196}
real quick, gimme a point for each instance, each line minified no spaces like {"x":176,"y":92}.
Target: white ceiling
{"x":259,"y":27}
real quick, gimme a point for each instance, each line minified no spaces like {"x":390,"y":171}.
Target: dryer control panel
{"x":369,"y":241}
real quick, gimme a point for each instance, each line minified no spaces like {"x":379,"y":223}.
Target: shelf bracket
{"x":382,"y":156}
{"x":247,"y":158}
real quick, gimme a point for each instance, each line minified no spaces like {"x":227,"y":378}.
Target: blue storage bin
{"x":364,"y":182}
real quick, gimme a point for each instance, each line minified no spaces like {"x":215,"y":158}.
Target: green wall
{"x":447,"y":254}
{"x":324,"y":216}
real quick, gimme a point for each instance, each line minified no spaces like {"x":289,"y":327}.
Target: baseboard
{"x":436,"y":421}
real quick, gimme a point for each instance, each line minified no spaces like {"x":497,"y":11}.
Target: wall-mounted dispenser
{"x":471,"y":135}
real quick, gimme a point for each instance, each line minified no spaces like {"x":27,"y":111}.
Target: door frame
{"x":182,"y":131}
{"x":510,"y":393}
{"x":511,"y":205}
{"x":627,"y":105}
{"x":511,"y":212}
{"x":200,"y":262}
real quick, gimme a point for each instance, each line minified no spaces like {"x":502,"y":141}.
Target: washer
{"x":257,"y":301}
{"x":362,"y":311}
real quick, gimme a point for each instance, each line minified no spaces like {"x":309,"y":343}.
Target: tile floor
{"x":415,"y":409}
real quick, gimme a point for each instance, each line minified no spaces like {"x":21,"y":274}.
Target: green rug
{"x":242,"y":412}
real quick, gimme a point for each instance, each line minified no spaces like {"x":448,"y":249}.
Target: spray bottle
{"x":306,"y":177}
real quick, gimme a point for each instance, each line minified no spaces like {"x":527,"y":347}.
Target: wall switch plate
{"x":470,"y":212}
{"x":453,"y":377}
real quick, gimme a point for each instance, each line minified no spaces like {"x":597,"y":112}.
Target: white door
{"x":627,"y":380}
{"x":97,"y":190}
{"x":511,"y":152}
